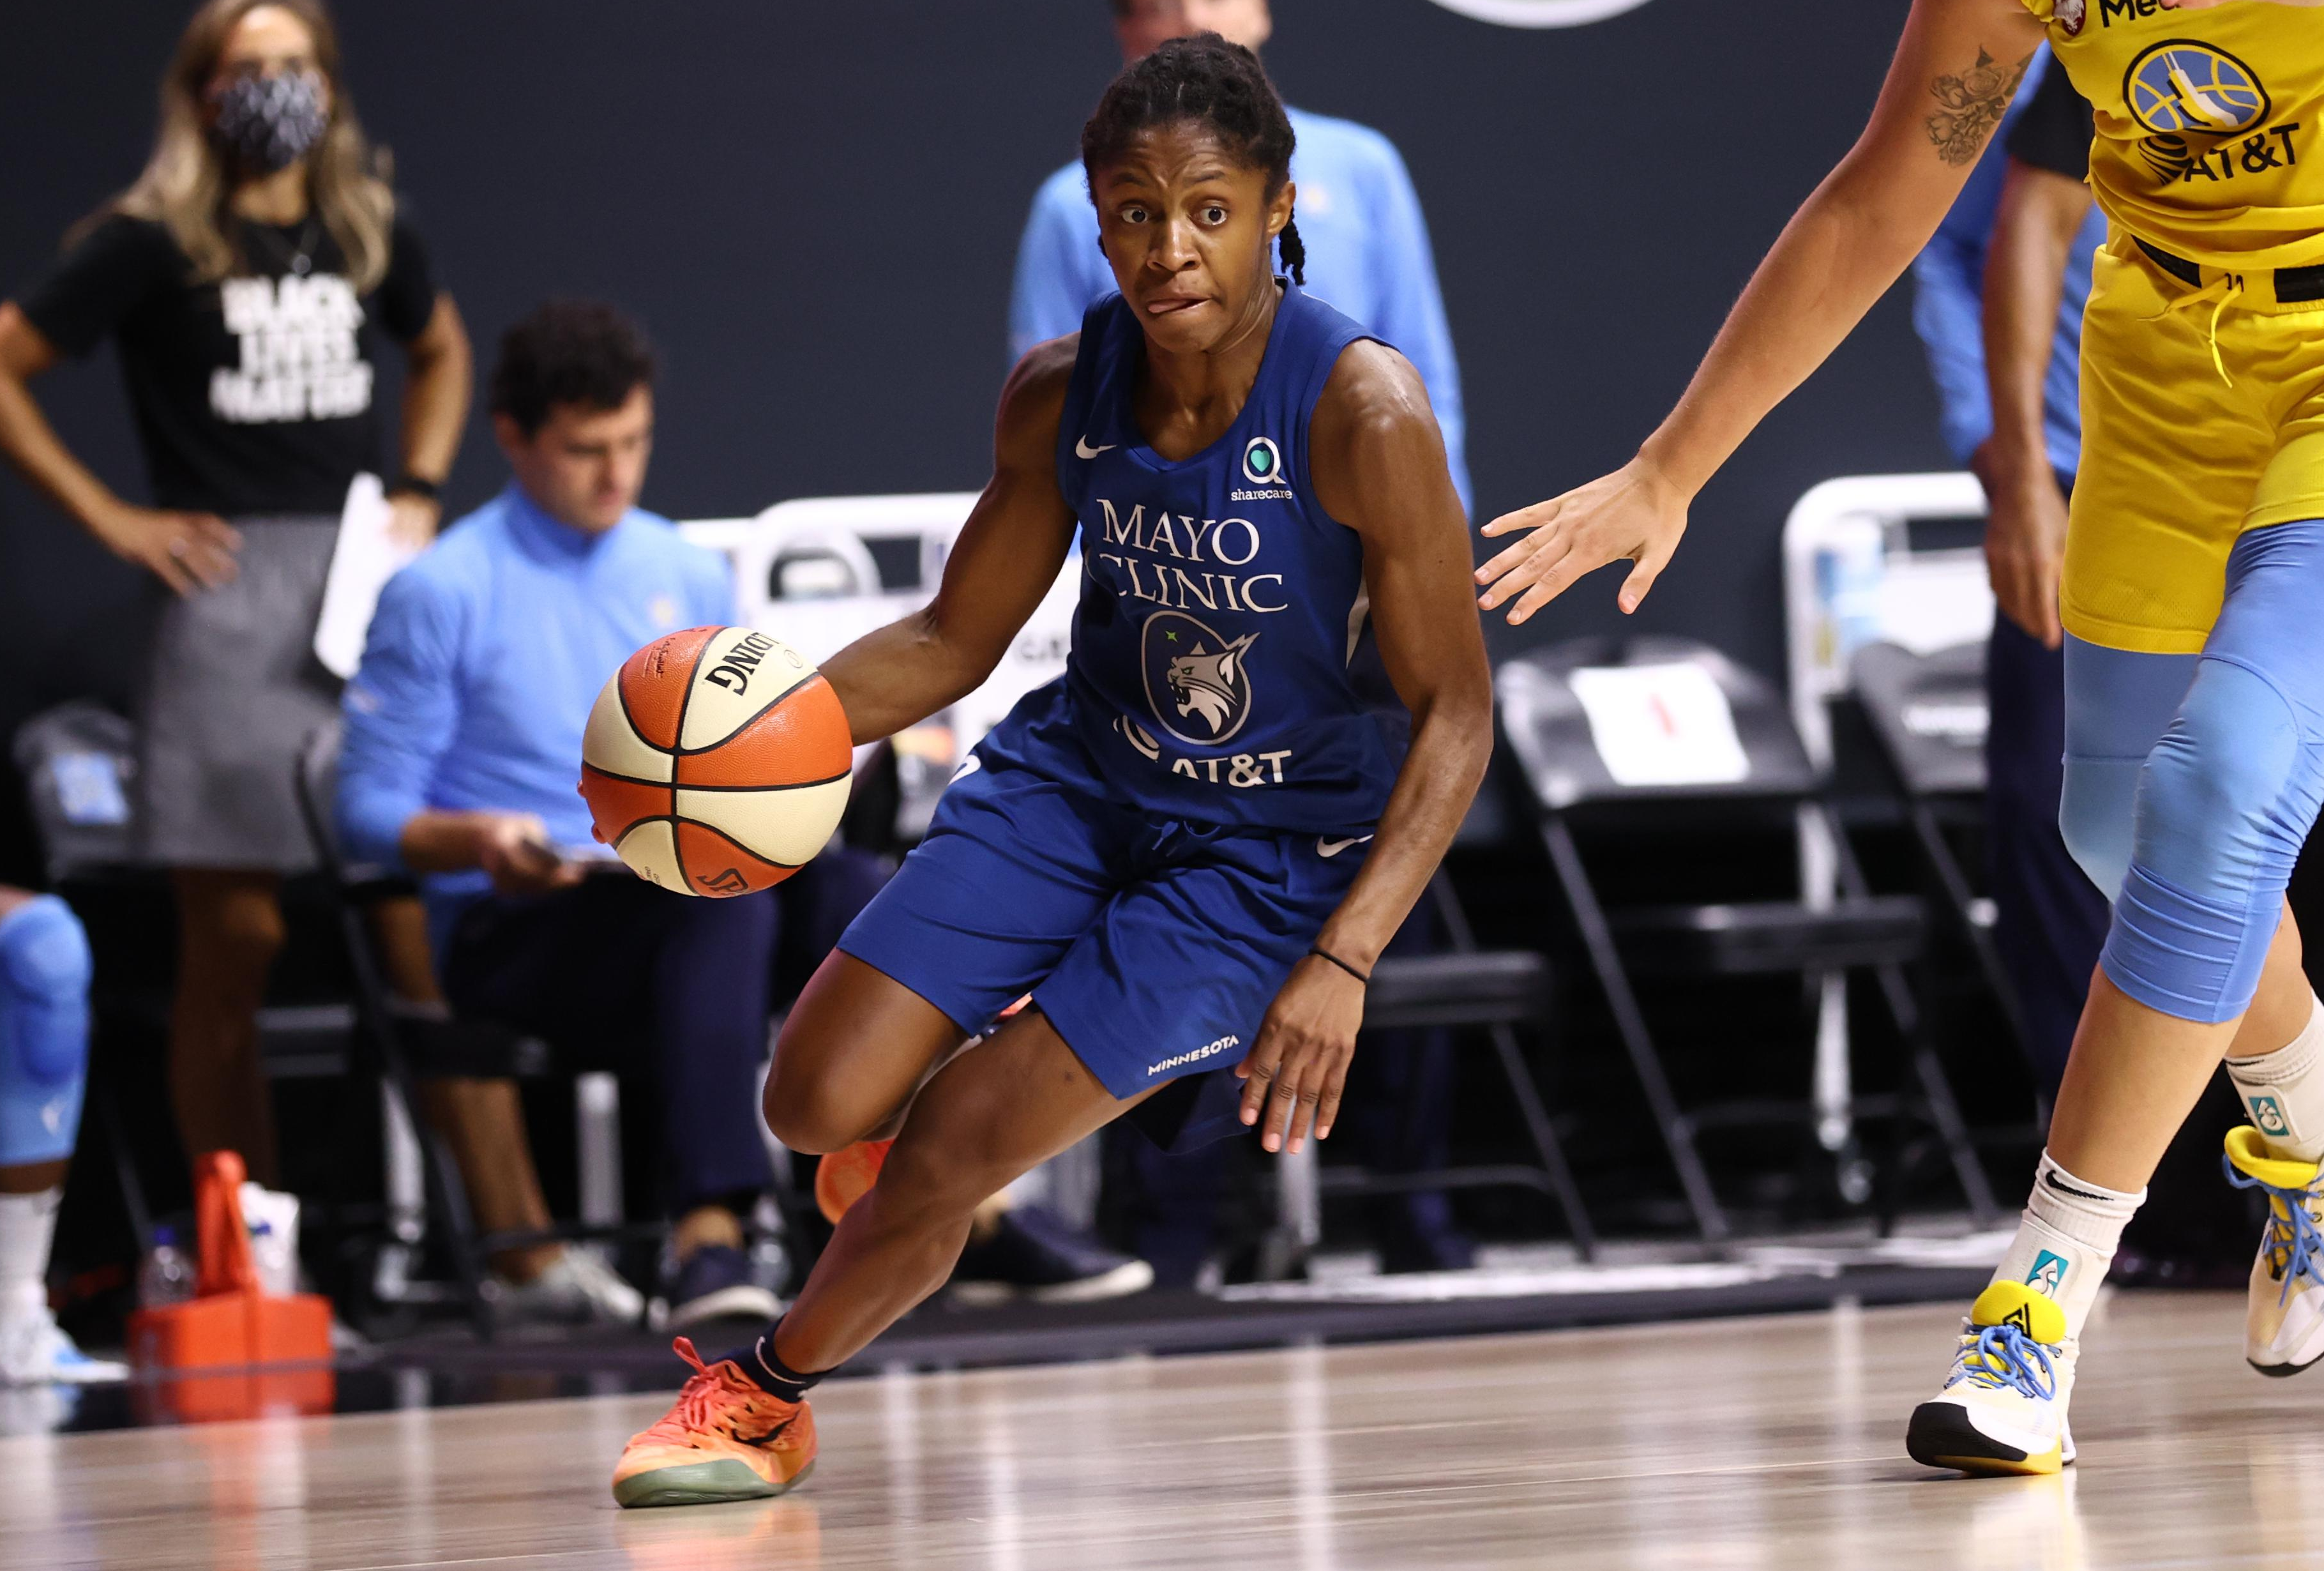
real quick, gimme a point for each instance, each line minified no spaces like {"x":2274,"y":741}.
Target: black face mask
{"x":271,"y":122}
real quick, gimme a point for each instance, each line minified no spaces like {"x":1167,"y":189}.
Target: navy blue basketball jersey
{"x":1223,"y":667}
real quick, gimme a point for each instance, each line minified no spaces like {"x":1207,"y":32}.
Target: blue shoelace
{"x":2004,"y":1357}
{"x":2299,"y":1237}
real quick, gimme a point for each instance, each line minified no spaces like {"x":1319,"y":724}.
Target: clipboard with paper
{"x":367,"y":555}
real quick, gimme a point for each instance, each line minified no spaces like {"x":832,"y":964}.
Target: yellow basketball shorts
{"x":2183,"y":451}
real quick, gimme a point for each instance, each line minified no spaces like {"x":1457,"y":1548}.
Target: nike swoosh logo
{"x":1329,"y":847}
{"x":969,"y":766}
{"x":1084,"y":450}
{"x":772,"y":1435}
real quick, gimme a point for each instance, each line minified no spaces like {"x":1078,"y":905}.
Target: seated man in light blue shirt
{"x":462,"y":752}
{"x":1368,"y":251}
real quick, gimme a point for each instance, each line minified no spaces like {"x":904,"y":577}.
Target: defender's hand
{"x":2024,"y":542}
{"x":1296,"y":1071}
{"x":1635,"y":513}
{"x":189,"y":551}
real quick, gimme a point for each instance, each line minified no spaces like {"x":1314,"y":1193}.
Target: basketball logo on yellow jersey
{"x":2180,"y":91}
{"x":2205,"y":119}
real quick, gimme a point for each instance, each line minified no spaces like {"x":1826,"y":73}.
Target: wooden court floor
{"x":1769,"y":1443}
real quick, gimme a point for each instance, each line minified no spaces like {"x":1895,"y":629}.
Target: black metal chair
{"x":79,"y":765}
{"x":1466,"y":986}
{"x":405,"y":1044}
{"x":1760,"y":775}
{"x":1928,"y":714}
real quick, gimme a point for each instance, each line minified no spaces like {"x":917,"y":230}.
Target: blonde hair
{"x":185,"y":184}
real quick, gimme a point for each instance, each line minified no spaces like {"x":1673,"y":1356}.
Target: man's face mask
{"x":270,"y":123}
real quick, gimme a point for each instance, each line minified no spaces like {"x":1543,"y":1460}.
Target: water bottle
{"x":1849,"y":570}
{"x":166,"y":1277}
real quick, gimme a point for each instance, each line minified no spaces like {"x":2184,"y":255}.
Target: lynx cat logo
{"x":1196,"y":682}
{"x":1541,"y":12}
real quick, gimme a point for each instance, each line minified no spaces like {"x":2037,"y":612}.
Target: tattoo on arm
{"x":1973,"y":103}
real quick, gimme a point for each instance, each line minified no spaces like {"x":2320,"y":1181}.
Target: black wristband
{"x":407,"y":484}
{"x":1362,"y":977}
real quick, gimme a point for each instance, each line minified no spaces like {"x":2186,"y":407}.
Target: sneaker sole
{"x":1941,"y":1435}
{"x":2284,"y":1371}
{"x":736,"y":1303}
{"x":1132,"y":1277}
{"x":716,"y":1482}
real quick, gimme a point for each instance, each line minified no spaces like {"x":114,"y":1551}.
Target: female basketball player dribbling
{"x":2194,"y":572}
{"x":1190,"y":849}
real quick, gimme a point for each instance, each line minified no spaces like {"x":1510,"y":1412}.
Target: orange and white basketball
{"x":716,"y":761}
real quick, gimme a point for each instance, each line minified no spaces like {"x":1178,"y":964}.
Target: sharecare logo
{"x":1196,"y":1056}
{"x":1541,"y":12}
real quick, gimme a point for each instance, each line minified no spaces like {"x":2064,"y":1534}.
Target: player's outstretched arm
{"x":1380,"y":469}
{"x":1954,"y":74}
{"x":1007,"y":557}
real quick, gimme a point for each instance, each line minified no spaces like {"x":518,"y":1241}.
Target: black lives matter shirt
{"x":253,"y":394}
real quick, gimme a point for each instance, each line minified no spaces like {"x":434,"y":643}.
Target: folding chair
{"x":1466,"y":986}
{"x":404,"y":1045}
{"x":1686,"y":733}
{"x":79,"y":762}
{"x":1928,"y":714}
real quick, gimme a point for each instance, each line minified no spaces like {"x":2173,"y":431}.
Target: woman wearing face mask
{"x":248,"y":279}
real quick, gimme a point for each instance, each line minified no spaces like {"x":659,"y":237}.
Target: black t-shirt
{"x":253,"y":394}
{"x":2053,"y":131}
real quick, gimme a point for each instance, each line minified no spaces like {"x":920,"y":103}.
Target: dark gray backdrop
{"x":815,"y":207}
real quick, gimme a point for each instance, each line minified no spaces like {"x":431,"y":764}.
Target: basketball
{"x":716,"y":761}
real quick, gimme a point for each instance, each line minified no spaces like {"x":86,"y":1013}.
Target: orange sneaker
{"x":846,"y":1175}
{"x":723,"y":1439}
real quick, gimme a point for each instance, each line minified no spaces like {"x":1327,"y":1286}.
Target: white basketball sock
{"x":27,"y":1223}
{"x":2284,"y":1095}
{"x":2066,"y":1240}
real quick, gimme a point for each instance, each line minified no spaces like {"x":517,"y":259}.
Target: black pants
{"x":671,"y":990}
{"x":2049,"y":918}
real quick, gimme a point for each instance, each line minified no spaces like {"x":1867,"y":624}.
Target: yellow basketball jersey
{"x":2210,"y":124}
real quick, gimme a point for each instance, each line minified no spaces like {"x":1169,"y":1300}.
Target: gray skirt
{"x":234,"y":692}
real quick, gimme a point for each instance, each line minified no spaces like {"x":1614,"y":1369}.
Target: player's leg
{"x":2202,"y":961}
{"x":990,"y":1115}
{"x":44,"y":977}
{"x":854,"y":1050}
{"x":987,"y":1118}
{"x":229,"y":930}
{"x":2204,"y":909}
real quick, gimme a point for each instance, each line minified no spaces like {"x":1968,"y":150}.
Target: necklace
{"x":300,"y":258}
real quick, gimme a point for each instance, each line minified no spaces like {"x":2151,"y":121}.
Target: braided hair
{"x":1217,"y":85}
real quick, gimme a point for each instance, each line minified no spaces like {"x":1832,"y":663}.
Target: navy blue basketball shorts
{"x":1153,"y":945}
